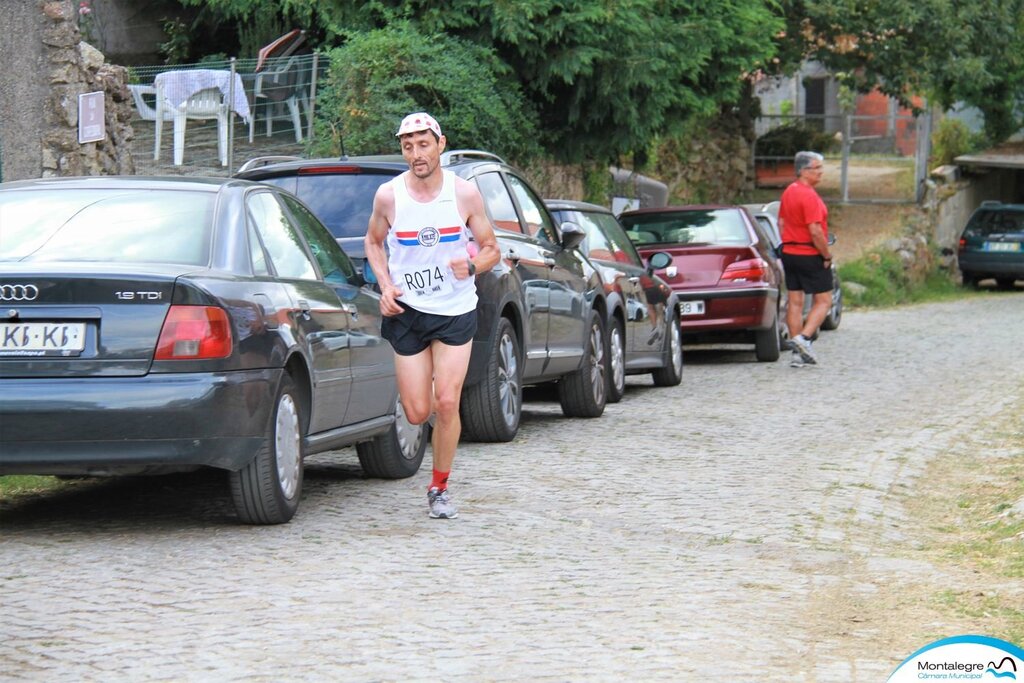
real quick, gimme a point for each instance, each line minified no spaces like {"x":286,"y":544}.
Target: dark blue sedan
{"x":152,"y":325}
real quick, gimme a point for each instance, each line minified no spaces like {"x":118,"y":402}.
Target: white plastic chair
{"x":282,"y":85}
{"x":205,"y":104}
{"x":147,"y":111}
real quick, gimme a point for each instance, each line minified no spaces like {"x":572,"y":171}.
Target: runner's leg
{"x":450,"y":365}
{"x":415,"y":385}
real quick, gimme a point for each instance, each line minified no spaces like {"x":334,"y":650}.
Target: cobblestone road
{"x":682,"y":536}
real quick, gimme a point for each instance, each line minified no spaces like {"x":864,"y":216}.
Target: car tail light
{"x":963,"y":244}
{"x":327,"y":170}
{"x":750,"y":269}
{"x":194,"y":333}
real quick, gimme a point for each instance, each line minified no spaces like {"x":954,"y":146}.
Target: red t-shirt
{"x":801,"y":206}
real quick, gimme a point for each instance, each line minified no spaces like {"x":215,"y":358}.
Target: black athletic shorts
{"x":411,"y":331}
{"x":807,"y":273}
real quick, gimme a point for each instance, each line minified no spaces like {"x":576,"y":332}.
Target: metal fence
{"x":225,"y":113}
{"x":868,"y":158}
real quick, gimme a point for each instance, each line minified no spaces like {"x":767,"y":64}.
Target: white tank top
{"x":424,"y":237}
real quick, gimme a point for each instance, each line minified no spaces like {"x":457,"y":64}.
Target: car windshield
{"x":113,"y":225}
{"x":693,"y":226}
{"x":996,"y":221}
{"x":342,"y":202}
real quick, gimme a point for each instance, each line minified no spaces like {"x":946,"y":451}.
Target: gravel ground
{"x":726,"y":526}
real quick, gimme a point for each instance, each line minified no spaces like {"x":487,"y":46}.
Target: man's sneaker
{"x":797,"y":360}
{"x":441,"y":506}
{"x":802,"y":346}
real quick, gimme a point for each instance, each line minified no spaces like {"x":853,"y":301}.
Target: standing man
{"x":428,"y":289}
{"x":803,"y":219}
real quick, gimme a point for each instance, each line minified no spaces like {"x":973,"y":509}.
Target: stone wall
{"x":44,"y":67}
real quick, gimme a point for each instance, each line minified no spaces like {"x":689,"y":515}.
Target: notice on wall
{"x":90,"y":117}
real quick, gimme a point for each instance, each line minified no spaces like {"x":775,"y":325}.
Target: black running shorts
{"x":411,"y":331}
{"x":806,"y":273}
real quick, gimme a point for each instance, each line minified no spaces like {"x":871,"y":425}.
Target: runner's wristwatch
{"x":472,"y":267}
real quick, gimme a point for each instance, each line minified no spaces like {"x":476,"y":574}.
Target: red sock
{"x":440,"y":481}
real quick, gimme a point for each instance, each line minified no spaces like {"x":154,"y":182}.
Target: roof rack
{"x":458,"y":155}
{"x":259,"y":162}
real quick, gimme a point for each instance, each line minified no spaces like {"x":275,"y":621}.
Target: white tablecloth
{"x":178,"y":86}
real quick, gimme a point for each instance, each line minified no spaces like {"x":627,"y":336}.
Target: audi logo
{"x":18,"y":292}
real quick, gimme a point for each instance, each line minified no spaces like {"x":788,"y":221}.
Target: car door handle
{"x":351,"y":309}
{"x":549,"y":261}
{"x":634,"y":280}
{"x":512,"y":256}
{"x":304,"y":308}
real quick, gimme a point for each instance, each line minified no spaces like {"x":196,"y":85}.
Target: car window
{"x":622,"y":249}
{"x":498,"y":202}
{"x":538,"y":222}
{"x":119,"y":225}
{"x":333,"y":262}
{"x":282,"y":242}
{"x":343,"y":202}
{"x":990,"y":221}
{"x":257,"y":254}
{"x":769,"y":229}
{"x":693,"y":226}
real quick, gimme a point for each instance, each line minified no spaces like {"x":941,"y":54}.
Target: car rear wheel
{"x":583,"y":393}
{"x":396,"y":453}
{"x":491,"y":408}
{"x":1005,"y":282}
{"x":767,"y":342}
{"x":672,"y":374}
{"x":267,"y":490}
{"x":835,"y":314}
{"x":616,"y":363}
{"x":971,"y":280}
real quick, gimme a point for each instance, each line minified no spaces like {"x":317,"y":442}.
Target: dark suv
{"x":992,"y":245}
{"x":542,"y":307}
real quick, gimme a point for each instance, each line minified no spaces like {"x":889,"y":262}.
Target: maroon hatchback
{"x":729,"y":284}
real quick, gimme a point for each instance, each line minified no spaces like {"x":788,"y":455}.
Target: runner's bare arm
{"x":471,"y":208}
{"x":376,"y":257}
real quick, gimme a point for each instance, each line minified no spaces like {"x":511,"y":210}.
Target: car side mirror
{"x":572,"y":235}
{"x":658,"y":261}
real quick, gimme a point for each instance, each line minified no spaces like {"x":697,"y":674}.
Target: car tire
{"x":267,"y":490}
{"x":616,"y":371}
{"x":491,"y":408}
{"x":583,"y":393}
{"x":835,"y":314}
{"x":672,"y":374}
{"x":767,"y":342}
{"x":971,"y":281}
{"x":396,"y":453}
{"x":1005,"y":282}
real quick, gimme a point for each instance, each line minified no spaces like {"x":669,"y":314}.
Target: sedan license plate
{"x":691,"y":308}
{"x":1002,"y":246}
{"x":41,"y":339}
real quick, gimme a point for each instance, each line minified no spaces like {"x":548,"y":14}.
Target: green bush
{"x":790,"y":138}
{"x":380,"y":76}
{"x":887,"y":283}
{"x":952,"y":138}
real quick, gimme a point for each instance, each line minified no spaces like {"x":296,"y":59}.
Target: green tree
{"x":378,"y":77}
{"x":952,"y":51}
{"x":605,"y":77}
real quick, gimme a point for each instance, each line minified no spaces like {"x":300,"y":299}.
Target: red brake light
{"x":750,"y":269}
{"x":327,"y":170}
{"x":194,"y":333}
{"x":963,"y":244}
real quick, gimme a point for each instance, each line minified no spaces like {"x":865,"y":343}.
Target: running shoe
{"x":802,"y":345}
{"x":441,"y":506}
{"x":797,"y":361}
